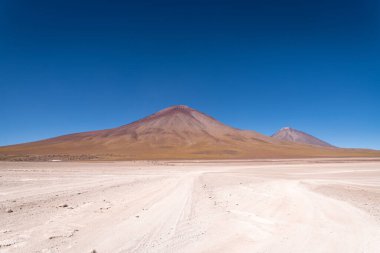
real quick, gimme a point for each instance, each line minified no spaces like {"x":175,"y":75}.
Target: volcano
{"x":177,"y":132}
{"x":294,"y":135}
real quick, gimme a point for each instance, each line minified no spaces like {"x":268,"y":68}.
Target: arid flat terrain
{"x":310,"y":205}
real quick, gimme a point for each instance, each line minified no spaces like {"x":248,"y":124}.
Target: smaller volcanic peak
{"x":294,"y":135}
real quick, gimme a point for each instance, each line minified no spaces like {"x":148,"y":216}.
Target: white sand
{"x":293,"y":206}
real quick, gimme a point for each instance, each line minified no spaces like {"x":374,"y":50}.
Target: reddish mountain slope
{"x":177,"y":132}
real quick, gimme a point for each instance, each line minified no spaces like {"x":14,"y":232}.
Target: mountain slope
{"x":177,"y":132}
{"x":294,"y":135}
{"x":177,"y":126}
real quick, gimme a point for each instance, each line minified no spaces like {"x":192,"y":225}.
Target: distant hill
{"x":294,"y":135}
{"x":177,"y":132}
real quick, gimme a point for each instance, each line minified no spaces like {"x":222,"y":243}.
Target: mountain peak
{"x":180,"y":108}
{"x":294,"y":135}
{"x":180,"y":123}
{"x":178,"y":127}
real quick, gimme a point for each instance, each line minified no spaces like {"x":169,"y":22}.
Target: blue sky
{"x":70,"y":66}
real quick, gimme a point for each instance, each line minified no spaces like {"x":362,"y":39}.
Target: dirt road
{"x":236,"y":206}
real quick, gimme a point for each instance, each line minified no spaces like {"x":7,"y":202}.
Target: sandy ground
{"x":234,"y":206}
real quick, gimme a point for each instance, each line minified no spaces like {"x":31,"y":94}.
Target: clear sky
{"x":69,"y":66}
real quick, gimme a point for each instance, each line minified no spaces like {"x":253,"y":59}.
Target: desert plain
{"x":289,"y":205}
